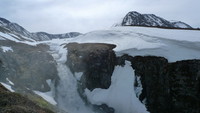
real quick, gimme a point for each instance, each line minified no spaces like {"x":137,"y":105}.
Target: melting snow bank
{"x":7,"y":87}
{"x":120,"y":95}
{"x":47,"y":96}
{"x":172,"y":44}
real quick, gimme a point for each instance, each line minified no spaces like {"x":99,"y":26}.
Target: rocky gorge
{"x":166,"y":87}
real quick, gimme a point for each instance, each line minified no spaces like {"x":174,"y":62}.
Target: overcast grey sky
{"x":60,"y":16}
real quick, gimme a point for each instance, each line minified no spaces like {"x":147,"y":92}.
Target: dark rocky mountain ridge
{"x":38,"y":36}
{"x":136,"y":19}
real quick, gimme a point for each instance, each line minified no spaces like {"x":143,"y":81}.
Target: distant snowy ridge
{"x":136,"y":19}
{"x":38,"y":36}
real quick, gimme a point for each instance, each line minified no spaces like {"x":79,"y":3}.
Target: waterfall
{"x":120,"y":95}
{"x":67,"y":98}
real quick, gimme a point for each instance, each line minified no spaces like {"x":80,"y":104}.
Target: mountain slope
{"x":7,"y":34}
{"x":38,"y":36}
{"x":136,"y":19}
{"x":180,"y":24}
{"x":15,"y":103}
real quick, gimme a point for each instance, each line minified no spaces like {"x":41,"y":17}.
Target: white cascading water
{"x":68,"y":98}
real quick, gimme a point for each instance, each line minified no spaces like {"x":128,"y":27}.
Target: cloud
{"x":59,"y":16}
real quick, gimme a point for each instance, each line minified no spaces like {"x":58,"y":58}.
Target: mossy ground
{"x":16,"y":103}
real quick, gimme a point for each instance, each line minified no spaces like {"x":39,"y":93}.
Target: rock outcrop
{"x":167,"y":87}
{"x":97,"y":62}
{"x":184,"y":84}
{"x":154,"y":82}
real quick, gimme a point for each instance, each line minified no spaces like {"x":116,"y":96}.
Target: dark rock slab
{"x":184,"y":77}
{"x":97,"y":62}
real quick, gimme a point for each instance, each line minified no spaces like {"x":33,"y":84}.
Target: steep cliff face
{"x":166,"y":87}
{"x":96,"y":61}
{"x":151,"y":71}
{"x":184,"y":84}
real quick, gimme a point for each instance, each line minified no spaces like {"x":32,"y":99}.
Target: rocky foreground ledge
{"x":166,"y":87}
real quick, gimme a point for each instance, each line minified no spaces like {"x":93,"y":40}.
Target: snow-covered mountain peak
{"x":134,"y":18}
{"x":134,"y":13}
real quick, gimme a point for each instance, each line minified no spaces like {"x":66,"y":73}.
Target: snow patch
{"x":47,"y":96}
{"x":6,"y":49}
{"x":138,"y":88}
{"x":78,"y":75}
{"x":10,"y":82}
{"x":7,"y":87}
{"x":8,"y":36}
{"x":48,"y":82}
